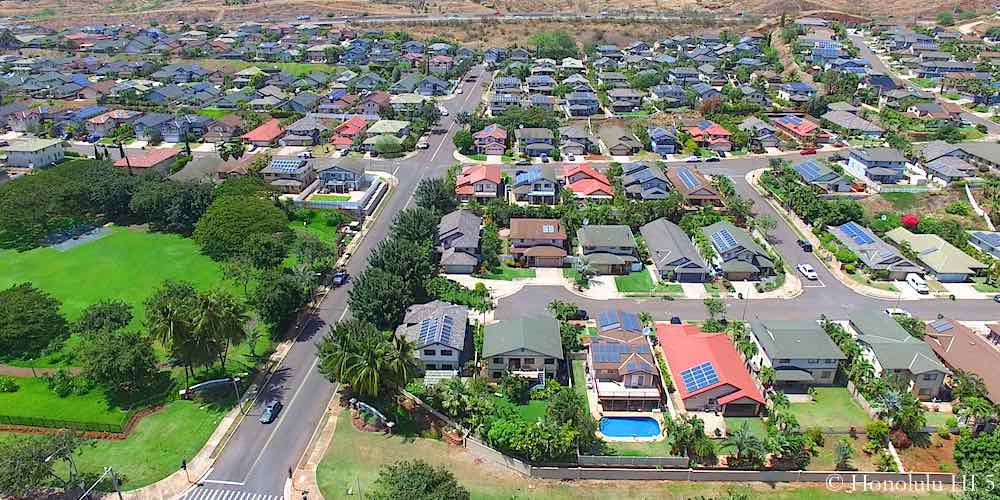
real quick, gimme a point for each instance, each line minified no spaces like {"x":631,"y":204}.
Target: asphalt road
{"x":257,"y":458}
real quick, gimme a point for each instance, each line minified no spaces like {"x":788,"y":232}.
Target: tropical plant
{"x":373,"y":363}
{"x":843,"y":454}
{"x":749,"y":449}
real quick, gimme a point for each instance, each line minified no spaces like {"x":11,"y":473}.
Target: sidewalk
{"x":304,"y":481}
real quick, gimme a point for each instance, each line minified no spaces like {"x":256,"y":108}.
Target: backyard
{"x":641,"y":282}
{"x":348,"y":475}
{"x":832,"y":408}
{"x":507,"y":273}
{"x":128,"y":264}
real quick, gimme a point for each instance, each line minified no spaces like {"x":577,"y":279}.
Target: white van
{"x":917,"y":283}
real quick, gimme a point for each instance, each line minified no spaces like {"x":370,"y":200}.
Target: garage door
{"x":740,"y":410}
{"x":689,"y":277}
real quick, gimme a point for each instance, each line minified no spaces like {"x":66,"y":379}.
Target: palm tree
{"x":371,"y":362}
{"x":219,"y":319}
{"x":749,"y":448}
{"x":168,"y":319}
{"x":646,"y":319}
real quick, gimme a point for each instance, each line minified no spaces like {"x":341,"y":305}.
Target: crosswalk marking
{"x":203,"y":493}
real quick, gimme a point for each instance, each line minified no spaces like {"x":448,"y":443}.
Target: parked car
{"x":544,"y":158}
{"x":805,"y":246}
{"x":571,"y":157}
{"x":340,"y":277}
{"x":675,"y":320}
{"x":712,"y":159}
{"x":807,"y":151}
{"x":692,"y":159}
{"x":996,"y":298}
{"x":522,"y":163}
{"x":808,"y":271}
{"x":270,"y":412}
{"x":459,"y":90}
{"x":579,"y":315}
{"x":423,"y":144}
{"x":895,"y":311}
{"x":917,"y":282}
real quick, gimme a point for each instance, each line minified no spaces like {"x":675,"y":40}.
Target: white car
{"x":444,"y":112}
{"x":459,"y":90}
{"x":895,"y":311}
{"x":917,"y":283}
{"x":807,"y":271}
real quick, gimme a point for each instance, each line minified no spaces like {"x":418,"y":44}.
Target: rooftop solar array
{"x":794,"y":120}
{"x":942,"y":325}
{"x":856,"y":233}
{"x":687,"y":178}
{"x":434,"y":331}
{"x":613,"y":320}
{"x":286,"y":165}
{"x":700,"y":376}
{"x":611,"y":352}
{"x":529,"y":175}
{"x":723,"y":240}
{"x":808,"y":170}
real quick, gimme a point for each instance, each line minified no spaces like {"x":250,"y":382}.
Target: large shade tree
{"x":374,"y":363}
{"x":30,"y":321}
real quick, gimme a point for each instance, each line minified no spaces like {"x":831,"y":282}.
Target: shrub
{"x":7,"y":384}
{"x":900,"y":440}
{"x":551,"y":387}
{"x":815,"y":434}
{"x":877,"y":431}
{"x":943,"y":433}
{"x":849,"y":268}
{"x":958,"y":208}
{"x":951,"y":423}
{"x":885,"y":462}
{"x":64,"y":383}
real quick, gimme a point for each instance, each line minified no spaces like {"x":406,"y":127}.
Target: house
{"x":624,"y":100}
{"x":610,"y":249}
{"x":875,"y":254}
{"x":892,"y":350}
{"x":711,"y":135}
{"x":798,"y":128}
{"x":738,"y":255}
{"x":478,"y":182}
{"x":616,"y":140}
{"x":149,"y":126}
{"x":340,"y":175}
{"x":500,"y":102}
{"x":540,"y":84}
{"x":797,"y":92}
{"x":683,"y":76}
{"x":983,"y":155}
{"x":987,"y":241}
{"x":612,"y":80}
{"x":438,"y":331}
{"x":395,"y":128}
{"x":704,"y":92}
{"x":306,"y":131}
{"x":693,"y":186}
{"x":800,"y":352}
{"x":529,"y":346}
{"x":960,"y":348}
{"x":440,"y":64}
{"x":950,"y":169}
{"x":225,"y":129}
{"x":103,"y":124}
{"x":185,"y":128}
{"x":582,"y":103}
{"x":670,"y":96}
{"x":537,"y":185}
{"x":663,"y":140}
{"x":896,"y":98}
{"x":879,"y":165}
{"x":943,"y":260}
{"x":266,"y":134}
{"x":288,"y":174}
{"x":535,"y":141}
{"x":432,"y":86}
{"x":643,"y":181}
{"x":621,"y":366}
{"x":672,"y":252}
{"x":575,"y":140}
{"x":762,"y":134}
{"x":154,"y":159}
{"x":491,"y":140}
{"x":853,"y":124}
{"x":586,"y":182}
{"x":708,"y":371}
{"x":33,"y":152}
{"x":822,"y":176}
{"x":538,"y":242}
{"x":458,"y":241}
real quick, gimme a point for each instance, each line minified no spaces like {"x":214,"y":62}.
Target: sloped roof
{"x":667,"y":243}
{"x":690,"y":347}
{"x":794,"y":339}
{"x":963,"y":349}
{"x":936,"y":253}
{"x":596,"y":235}
{"x":536,"y":333}
{"x":893,"y":346}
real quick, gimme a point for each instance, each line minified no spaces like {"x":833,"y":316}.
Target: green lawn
{"x":642,"y":282}
{"x":156,"y":446}
{"x":881,"y":285}
{"x":643,"y":449}
{"x":128,"y":264}
{"x":534,"y":410}
{"x":35,"y":399}
{"x":573,"y":274}
{"x":714,"y":288}
{"x":508,"y":273}
{"x":833,"y":408}
{"x":979,"y":283}
{"x":924,"y":83}
{"x":354,"y":458}
{"x":937,"y":419}
{"x":972,"y":133}
{"x":317,"y":225}
{"x":478,"y":157}
{"x":757,"y":427}
{"x":951,"y":96}
{"x":901,"y":201}
{"x":213,"y":113}
{"x":330,"y":197}
{"x":580,"y":380}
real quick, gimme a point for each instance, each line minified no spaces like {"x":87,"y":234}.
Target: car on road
{"x":423,"y":144}
{"x":302,"y":18}
{"x":895,"y":311}
{"x":805,"y":245}
{"x":459,"y":90}
{"x":270,"y":412}
{"x":444,"y":112}
{"x":808,"y":271}
{"x":918,"y":283}
{"x":713,"y":159}
{"x":692,"y":159}
{"x":579,"y":315}
{"x":675,"y":320}
{"x":807,"y":151}
{"x":996,"y":298}
{"x":340,"y":277}
{"x":522,"y":163}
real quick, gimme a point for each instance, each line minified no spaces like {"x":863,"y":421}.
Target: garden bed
{"x":933,"y":454}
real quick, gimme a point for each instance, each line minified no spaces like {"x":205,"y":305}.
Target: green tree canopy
{"x":555,"y":44}
{"x":104,"y":316}
{"x":417,"y":480}
{"x":436,"y":193}
{"x":231,"y":221}
{"x":380,"y":297}
{"x":120,"y":359}
{"x":30,"y":321}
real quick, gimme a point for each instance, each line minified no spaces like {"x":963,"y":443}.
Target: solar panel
{"x":723,"y":240}
{"x":286,"y":166}
{"x":942,"y":325}
{"x":808,"y":170}
{"x":856,"y":233}
{"x":794,"y":120}
{"x":687,"y":178}
{"x":699,"y":376}
{"x":446,"y":324}
{"x":606,"y":320}
{"x":428,"y":328}
{"x":630,"y":322}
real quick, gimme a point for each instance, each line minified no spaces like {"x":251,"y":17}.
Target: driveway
{"x":965,"y":291}
{"x":694,"y":290}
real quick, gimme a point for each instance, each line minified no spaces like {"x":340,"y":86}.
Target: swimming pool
{"x":630,"y":427}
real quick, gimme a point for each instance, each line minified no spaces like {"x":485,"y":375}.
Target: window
{"x":446,"y":352}
{"x":813,"y":361}
{"x":498,"y":360}
{"x":429,"y":352}
{"x":831,"y":361}
{"x":447,"y":366}
{"x":431,"y":366}
{"x":930,"y":376}
{"x":529,"y":361}
{"x":641,"y":380}
{"x":550,"y":361}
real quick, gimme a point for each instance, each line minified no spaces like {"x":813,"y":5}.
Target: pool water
{"x":630,"y":427}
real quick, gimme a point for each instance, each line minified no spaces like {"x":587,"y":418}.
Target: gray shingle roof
{"x":668,"y":244}
{"x":535,"y":333}
{"x":794,"y":339}
{"x":893,"y":346}
{"x":605,"y":236}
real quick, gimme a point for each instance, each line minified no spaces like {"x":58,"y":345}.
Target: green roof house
{"x":528,"y":346}
{"x":801,"y":353}
{"x":609,"y":249}
{"x":947,"y":263}
{"x":891,"y":349}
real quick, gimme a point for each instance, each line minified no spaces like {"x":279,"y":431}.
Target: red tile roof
{"x":594,"y":184}
{"x":475,"y":173}
{"x":268,"y":132}
{"x":714,"y":129}
{"x":491,"y":130}
{"x":352,"y":126}
{"x":148,"y":159}
{"x":686,"y":346}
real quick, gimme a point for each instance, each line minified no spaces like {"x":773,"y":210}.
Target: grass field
{"x":330,"y":197}
{"x":354,"y":458}
{"x":642,"y":282}
{"x":901,"y":201}
{"x":924,"y":83}
{"x":128,"y":264}
{"x":757,"y":427}
{"x":508,"y":273}
{"x":35,"y":399}
{"x":213,"y":113}
{"x":833,"y":408}
{"x":580,"y":380}
{"x":972,"y":133}
{"x":534,"y":410}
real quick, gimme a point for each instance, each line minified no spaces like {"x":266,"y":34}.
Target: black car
{"x":675,"y":320}
{"x":996,"y":298}
{"x":805,"y":246}
{"x":713,"y":159}
{"x":270,"y":412}
{"x":340,"y":277}
{"x":579,"y":315}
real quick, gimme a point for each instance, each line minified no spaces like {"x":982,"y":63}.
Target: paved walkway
{"x":305,"y":483}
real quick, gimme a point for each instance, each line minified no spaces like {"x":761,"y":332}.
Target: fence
{"x":896,"y":188}
{"x":615,"y":461}
{"x":484,"y":452}
{"x":65,"y":424}
{"x":931,"y":480}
